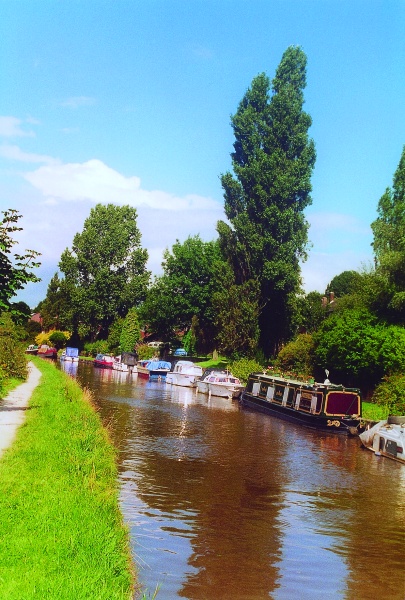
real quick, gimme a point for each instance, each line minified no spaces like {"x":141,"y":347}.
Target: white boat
{"x":386,"y":438}
{"x":220,"y":383}
{"x":70,"y":355}
{"x":118,"y":365}
{"x":185,"y":373}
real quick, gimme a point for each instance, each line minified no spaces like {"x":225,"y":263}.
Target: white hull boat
{"x":185,"y":373}
{"x":220,"y":383}
{"x":386,"y":438}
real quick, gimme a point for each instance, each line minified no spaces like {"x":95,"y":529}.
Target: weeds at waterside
{"x":60,"y":525}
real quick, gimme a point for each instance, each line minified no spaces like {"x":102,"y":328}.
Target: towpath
{"x":14,"y":405}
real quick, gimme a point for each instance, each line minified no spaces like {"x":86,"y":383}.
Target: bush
{"x":13,"y":361}
{"x":390,"y":393}
{"x":99,"y":347}
{"x":144,"y":351}
{"x":243,"y":367}
{"x":298,"y":356}
{"x":58,"y":339}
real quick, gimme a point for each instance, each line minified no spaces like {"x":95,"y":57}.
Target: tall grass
{"x":61,"y":530}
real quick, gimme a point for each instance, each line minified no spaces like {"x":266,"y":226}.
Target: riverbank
{"x":61,"y":528}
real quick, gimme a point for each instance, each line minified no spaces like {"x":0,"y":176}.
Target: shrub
{"x":390,"y":393}
{"x":144,"y":351}
{"x":98,"y":347}
{"x":13,"y":361}
{"x":58,"y":339}
{"x":243,"y":367}
{"x":297,"y":356}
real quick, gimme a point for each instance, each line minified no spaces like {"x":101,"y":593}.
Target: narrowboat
{"x":323,"y":406}
{"x":46,"y":351}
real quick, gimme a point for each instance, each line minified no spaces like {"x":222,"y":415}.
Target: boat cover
{"x":154,"y":365}
{"x":72,"y":352}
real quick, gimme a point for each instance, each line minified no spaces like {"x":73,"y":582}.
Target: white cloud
{"x":12,"y":152}
{"x":78,"y":101}
{"x":95,"y":181}
{"x":12,"y":127}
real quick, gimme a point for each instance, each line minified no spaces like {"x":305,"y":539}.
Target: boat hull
{"x":386,"y":439}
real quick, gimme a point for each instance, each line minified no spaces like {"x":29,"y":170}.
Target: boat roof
{"x":300,"y":383}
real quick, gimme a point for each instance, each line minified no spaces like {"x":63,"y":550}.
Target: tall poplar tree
{"x":267,"y":193}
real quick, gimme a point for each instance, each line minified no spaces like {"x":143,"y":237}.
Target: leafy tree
{"x":343,"y":284}
{"x":390,"y":393}
{"x":389,"y":242}
{"x":58,"y":339}
{"x":20,"y":312}
{"x":298,"y":356}
{"x":15,"y":270}
{"x":114,"y":335}
{"x":310,"y":312}
{"x":105,"y":271}
{"x":184,"y":290}
{"x":266,"y":197}
{"x":236,"y":314}
{"x":55,"y":308}
{"x":131,"y":333}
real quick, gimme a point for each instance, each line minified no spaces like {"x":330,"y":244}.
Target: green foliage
{"x":15,"y":270}
{"x":98,"y":347}
{"x":236,"y":315}
{"x":183,"y":291}
{"x":266,"y":197}
{"x":298,"y":356}
{"x":347,"y":344}
{"x":242,"y":368}
{"x":144,"y":351}
{"x":58,"y":339}
{"x":54,"y":309}
{"x":130,"y":333}
{"x":113,"y":340}
{"x":390,"y":394}
{"x":345,"y":283}
{"x":389,"y":244}
{"x":310,"y":312}
{"x":104,"y":272}
{"x":189,"y":341}
{"x":12,"y":358}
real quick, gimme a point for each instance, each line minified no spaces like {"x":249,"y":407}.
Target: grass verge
{"x":373,"y":412}
{"x":60,"y":524}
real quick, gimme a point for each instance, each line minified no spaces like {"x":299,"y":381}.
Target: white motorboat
{"x":386,"y":438}
{"x":220,"y":383}
{"x":185,"y":373}
{"x":70,"y":355}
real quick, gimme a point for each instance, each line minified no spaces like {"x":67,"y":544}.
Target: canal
{"x":227,"y":504}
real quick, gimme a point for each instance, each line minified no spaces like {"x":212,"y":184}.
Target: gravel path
{"x":14,"y":405}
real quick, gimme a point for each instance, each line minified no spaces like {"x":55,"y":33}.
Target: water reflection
{"x":229,"y":504}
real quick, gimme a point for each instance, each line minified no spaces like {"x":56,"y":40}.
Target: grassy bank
{"x":60,"y":524}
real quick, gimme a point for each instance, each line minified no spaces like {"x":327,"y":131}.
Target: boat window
{"x":342,"y":403}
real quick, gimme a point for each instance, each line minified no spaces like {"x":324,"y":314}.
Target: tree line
{"x":241,"y":293}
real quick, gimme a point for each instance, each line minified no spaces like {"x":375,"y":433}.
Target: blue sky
{"x":130,"y":102}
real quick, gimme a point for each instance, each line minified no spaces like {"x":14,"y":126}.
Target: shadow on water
{"x":228,"y":504}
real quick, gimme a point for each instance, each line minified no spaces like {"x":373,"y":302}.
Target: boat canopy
{"x":154,"y":365}
{"x":72,"y":352}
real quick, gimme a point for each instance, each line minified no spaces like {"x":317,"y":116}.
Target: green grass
{"x":373,"y":412}
{"x":219,"y":363}
{"x":60,"y":525}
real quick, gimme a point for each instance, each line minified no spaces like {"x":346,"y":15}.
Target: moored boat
{"x":323,"y":406}
{"x":185,"y":373}
{"x":153,"y":369}
{"x":104,"y":360}
{"x":46,"y":351}
{"x":386,"y":438}
{"x":32,"y":349}
{"x":70,"y":354}
{"x":220,"y":383}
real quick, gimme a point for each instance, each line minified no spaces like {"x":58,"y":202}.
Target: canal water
{"x":227,"y":504}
